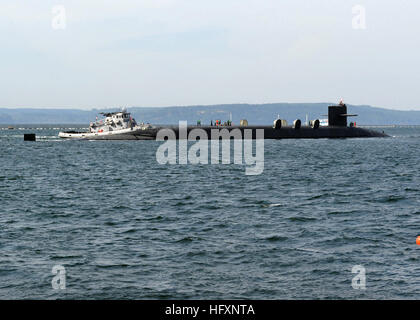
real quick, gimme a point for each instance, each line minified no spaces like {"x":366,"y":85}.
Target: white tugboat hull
{"x":128,"y":134}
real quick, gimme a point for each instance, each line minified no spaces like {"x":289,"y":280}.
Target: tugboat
{"x":117,"y":125}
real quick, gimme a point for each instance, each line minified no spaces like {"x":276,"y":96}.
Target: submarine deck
{"x":304,"y":132}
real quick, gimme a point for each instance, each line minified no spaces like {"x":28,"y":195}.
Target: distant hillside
{"x":255,"y":114}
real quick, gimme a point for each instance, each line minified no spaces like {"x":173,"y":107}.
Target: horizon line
{"x":196,"y":105}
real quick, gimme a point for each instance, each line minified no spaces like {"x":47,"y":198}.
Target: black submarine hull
{"x":250,"y":132}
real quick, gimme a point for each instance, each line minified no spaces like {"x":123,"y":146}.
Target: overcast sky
{"x":187,"y":52}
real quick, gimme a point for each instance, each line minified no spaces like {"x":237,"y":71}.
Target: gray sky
{"x":184,"y":52}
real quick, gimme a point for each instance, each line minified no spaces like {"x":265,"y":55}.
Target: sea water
{"x":126,"y":227}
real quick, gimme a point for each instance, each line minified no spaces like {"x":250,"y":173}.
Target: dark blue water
{"x":125,"y":227}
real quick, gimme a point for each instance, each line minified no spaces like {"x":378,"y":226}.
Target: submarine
{"x":121,"y":126}
{"x":336,"y":128}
